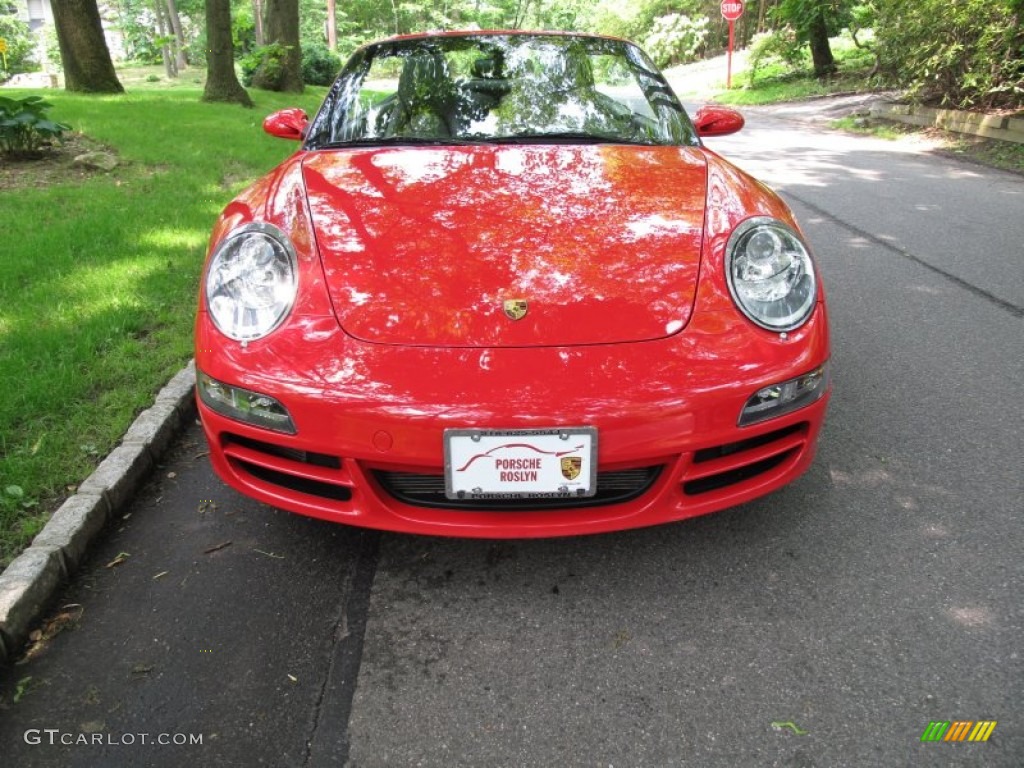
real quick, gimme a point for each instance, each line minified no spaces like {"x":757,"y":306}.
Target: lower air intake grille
{"x":428,"y":491}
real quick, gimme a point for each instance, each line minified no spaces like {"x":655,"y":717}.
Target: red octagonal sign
{"x":732,"y":9}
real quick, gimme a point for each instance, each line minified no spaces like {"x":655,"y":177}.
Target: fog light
{"x":244,"y":405}
{"x":778,"y":399}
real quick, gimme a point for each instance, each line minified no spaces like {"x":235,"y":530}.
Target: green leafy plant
{"x":319,"y":65}
{"x":268,"y":60}
{"x":967,"y":54}
{"x":675,"y":38}
{"x":780,"y":45}
{"x":25,"y":128}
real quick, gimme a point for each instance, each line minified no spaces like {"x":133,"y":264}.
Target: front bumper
{"x":369,"y":420}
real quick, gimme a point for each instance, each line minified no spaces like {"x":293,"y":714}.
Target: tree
{"x":165,"y":39}
{"x":221,"y":81}
{"x":174,"y":18}
{"x":814,"y":21}
{"x":257,"y":20}
{"x":332,"y":25}
{"x":281,"y":68}
{"x":817,"y":37}
{"x":83,"y":48}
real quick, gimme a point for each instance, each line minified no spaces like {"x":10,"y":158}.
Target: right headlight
{"x":251,"y":281}
{"x":770,"y":274}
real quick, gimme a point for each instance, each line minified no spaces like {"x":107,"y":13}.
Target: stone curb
{"x":29,"y":583}
{"x":1001,"y":127}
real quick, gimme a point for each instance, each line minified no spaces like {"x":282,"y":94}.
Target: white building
{"x":38,"y":14}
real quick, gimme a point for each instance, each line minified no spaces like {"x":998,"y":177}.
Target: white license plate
{"x":520,"y":463}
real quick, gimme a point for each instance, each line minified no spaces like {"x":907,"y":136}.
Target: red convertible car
{"x":503,"y":290}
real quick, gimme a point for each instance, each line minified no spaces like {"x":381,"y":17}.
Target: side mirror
{"x":717,"y":121}
{"x":287,"y":124}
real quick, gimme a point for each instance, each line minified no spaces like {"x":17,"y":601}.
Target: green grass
{"x":775,"y":82}
{"x":1005,"y":155}
{"x":879,"y":128}
{"x":98,"y":281}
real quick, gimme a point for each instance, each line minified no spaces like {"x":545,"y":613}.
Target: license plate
{"x":520,"y":463}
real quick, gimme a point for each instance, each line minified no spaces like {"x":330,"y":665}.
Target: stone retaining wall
{"x":1000,"y":127}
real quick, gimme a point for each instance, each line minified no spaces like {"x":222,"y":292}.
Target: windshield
{"x":500,"y":88}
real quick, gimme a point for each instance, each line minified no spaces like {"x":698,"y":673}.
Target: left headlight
{"x":251,"y":281}
{"x":770,"y":274}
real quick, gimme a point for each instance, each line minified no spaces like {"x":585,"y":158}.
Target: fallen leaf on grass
{"x":217,"y":547}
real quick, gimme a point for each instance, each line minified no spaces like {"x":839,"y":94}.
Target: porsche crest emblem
{"x":515,"y":309}
{"x":571,"y":466}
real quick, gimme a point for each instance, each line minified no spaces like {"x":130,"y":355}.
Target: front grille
{"x":299,"y":484}
{"x":613,"y":487}
{"x":709,"y":454}
{"x":733,"y":463}
{"x":306,"y":472}
{"x":733,"y":476}
{"x":283,"y":451}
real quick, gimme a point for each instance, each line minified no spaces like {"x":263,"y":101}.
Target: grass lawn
{"x":775,"y":82}
{"x":99,"y":277}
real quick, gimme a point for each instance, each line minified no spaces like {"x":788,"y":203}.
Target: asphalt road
{"x":882,"y":591}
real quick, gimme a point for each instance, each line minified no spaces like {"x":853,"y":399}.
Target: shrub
{"x":967,"y":54}
{"x":319,"y":65}
{"x":24,"y":127}
{"x":268,"y":60}
{"x":782,"y":45}
{"x":676,"y":39}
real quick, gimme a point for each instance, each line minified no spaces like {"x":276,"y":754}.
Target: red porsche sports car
{"x":503,"y":290}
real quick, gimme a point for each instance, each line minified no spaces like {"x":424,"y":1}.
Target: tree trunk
{"x":181,"y":59}
{"x":821,"y":52}
{"x":221,"y":81}
{"x":282,"y":27}
{"x":83,"y":48}
{"x":257,"y":17}
{"x":332,"y":25}
{"x":163,"y":27}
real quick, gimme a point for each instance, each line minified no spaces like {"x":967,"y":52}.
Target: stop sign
{"x":732,"y":9}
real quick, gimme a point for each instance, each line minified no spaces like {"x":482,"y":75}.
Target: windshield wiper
{"x":574,"y":137}
{"x":391,"y":141}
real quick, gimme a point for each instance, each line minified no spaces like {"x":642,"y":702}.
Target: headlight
{"x":770,"y":273}
{"x":251,"y":282}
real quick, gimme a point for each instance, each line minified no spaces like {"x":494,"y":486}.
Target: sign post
{"x":731,"y":10}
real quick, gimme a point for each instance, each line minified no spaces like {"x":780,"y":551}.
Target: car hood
{"x":445,"y":246}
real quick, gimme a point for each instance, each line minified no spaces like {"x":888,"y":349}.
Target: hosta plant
{"x":24,"y":127}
